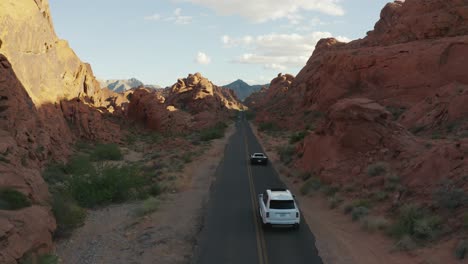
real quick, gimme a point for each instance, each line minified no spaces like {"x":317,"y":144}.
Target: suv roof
{"x":280,"y":194}
{"x":258,"y":154}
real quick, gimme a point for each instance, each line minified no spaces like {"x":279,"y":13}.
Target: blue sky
{"x":159,"y":41}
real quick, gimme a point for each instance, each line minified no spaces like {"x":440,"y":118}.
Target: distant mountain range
{"x":124,"y":85}
{"x":243,"y":89}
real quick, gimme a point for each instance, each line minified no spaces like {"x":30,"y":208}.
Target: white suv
{"x":278,"y":207}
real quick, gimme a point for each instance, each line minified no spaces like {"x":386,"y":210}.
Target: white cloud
{"x":264,"y":10}
{"x":202,"y":58}
{"x":154,"y":17}
{"x":177,"y":18}
{"x":277,"y":51}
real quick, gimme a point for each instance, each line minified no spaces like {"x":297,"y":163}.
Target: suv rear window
{"x":286,"y":204}
{"x":258,"y":155}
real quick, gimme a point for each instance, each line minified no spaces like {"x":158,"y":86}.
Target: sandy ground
{"x":116,"y":235}
{"x":342,"y":241}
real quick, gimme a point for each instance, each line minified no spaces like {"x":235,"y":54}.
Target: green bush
{"x":449,"y":197}
{"x":330,"y":190}
{"x":250,"y":115}
{"x":406,"y":243}
{"x":11,"y":199}
{"x":111,"y":184}
{"x":155,"y":189}
{"x":42,"y":259}
{"x":415,"y":222}
{"x":462,"y":249}
{"x":286,"y":153}
{"x":148,"y":206}
{"x":68,"y":214}
{"x":296,"y":137}
{"x":465,"y":220}
{"x":106,"y":152}
{"x":312,"y":184}
{"x":377,"y":169}
{"x":79,"y":165}
{"x":361,"y":203}
{"x":268,"y":126}
{"x":396,"y":111}
{"x":55,"y":173}
{"x":374,"y":223}
{"x":187,"y":157}
{"x":359,"y":212}
{"x":214,"y":132}
{"x":380,"y":196}
{"x":417,"y":129}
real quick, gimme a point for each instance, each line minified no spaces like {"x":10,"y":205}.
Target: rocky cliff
{"x":397,"y":96}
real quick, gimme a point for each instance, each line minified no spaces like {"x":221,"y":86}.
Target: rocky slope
{"x":243,"y":89}
{"x":397,"y":97}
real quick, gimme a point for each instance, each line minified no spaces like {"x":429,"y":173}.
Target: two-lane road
{"x":232,"y":230}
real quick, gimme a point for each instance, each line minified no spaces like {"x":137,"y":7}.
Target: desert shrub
{"x":374,"y":223}
{"x":296,"y":137}
{"x":268,"y":126}
{"x":396,"y":111}
{"x":377,"y":169}
{"x":417,"y":129}
{"x":334,"y":201}
{"x":68,"y":214}
{"x":330,"y":190}
{"x":106,"y":152}
{"x":11,"y":199}
{"x":415,"y":222}
{"x":54,"y":173}
{"x":187,"y":157}
{"x":249,"y":115}
{"x":393,"y":178}
{"x":462,"y":249}
{"x":111,"y":184}
{"x":363,"y":203}
{"x":154,"y":137}
{"x":359,"y":212}
{"x":312,"y":184}
{"x":155,"y":189}
{"x":465,"y":220}
{"x":214,"y":132}
{"x":304,"y":175}
{"x":148,"y":206}
{"x":79,"y":165}
{"x":449,"y":197}
{"x":380,"y":196}
{"x":42,"y":259}
{"x":286,"y":153}
{"x":405,"y":243}
{"x":83,"y":146}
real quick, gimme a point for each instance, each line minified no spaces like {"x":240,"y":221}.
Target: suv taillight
{"x":297,"y":214}
{"x":268,"y":214}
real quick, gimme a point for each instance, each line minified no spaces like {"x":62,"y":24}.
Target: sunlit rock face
{"x":29,"y":41}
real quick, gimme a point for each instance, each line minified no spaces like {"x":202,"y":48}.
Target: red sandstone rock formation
{"x":408,"y":74}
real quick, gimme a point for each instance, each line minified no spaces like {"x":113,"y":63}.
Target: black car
{"x":258,"y":158}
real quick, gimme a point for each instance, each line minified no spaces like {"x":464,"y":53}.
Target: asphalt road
{"x":232,"y":231}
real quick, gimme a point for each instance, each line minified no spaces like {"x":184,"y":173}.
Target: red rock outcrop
{"x":408,"y":74}
{"x":24,"y":145}
{"x":192,"y":103}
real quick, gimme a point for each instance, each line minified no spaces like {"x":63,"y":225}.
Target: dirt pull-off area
{"x":116,"y":234}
